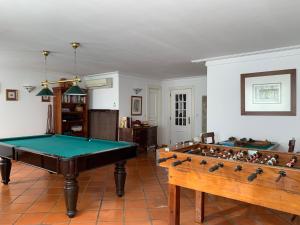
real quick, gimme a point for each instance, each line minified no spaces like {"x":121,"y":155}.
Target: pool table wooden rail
{"x":53,"y":163}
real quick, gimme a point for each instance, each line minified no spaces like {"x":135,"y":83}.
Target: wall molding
{"x":251,"y":56}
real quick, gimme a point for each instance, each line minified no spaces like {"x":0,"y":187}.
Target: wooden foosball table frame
{"x":272,"y":186}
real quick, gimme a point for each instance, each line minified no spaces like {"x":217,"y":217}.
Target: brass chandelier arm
{"x":74,"y":80}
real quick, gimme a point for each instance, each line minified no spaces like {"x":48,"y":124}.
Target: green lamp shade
{"x":45,"y":92}
{"x":75,"y":90}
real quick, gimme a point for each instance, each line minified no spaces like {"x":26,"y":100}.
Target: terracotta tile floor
{"x":36,"y":197}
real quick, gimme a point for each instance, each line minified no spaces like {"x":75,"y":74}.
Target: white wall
{"x":223,"y":91}
{"x":105,"y":98}
{"x":199,"y":86}
{"x":28,"y":116}
{"x":127,"y":84}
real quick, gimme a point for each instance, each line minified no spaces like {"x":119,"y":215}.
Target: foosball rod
{"x":167,"y":158}
{"x":216,"y":167}
{"x":178,"y":162}
{"x":253,"y":176}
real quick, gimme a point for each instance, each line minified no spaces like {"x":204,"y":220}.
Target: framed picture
{"x":136,"y":105}
{"x":46,"y":99}
{"x":271,"y":93}
{"x":11,"y":95}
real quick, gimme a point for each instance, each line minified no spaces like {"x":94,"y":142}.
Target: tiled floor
{"x":36,"y":197}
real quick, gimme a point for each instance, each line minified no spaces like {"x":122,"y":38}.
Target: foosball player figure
{"x":273,"y":161}
{"x":292,"y":162}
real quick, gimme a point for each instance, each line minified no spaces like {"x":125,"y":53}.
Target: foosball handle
{"x":282,"y":173}
{"x":215,"y":167}
{"x":252,"y":177}
{"x":203,"y":162}
{"x":178,"y":162}
{"x":167,"y":158}
{"x":238,"y":168}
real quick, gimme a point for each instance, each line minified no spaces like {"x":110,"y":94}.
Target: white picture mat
{"x":285,"y":95}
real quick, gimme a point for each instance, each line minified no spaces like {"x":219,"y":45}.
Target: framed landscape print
{"x":269,"y":93}
{"x":136,"y":105}
{"x":11,"y":95}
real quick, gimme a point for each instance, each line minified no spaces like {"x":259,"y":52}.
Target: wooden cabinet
{"x":70,"y":113}
{"x":144,"y":136}
{"x":103,"y":124}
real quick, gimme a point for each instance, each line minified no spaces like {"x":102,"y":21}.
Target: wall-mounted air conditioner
{"x":94,"y":82}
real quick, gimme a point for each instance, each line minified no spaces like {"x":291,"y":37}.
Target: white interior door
{"x":181,"y":115}
{"x":154,"y":104}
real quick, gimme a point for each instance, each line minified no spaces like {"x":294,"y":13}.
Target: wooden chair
{"x":207,"y":136}
{"x":291,"y":149}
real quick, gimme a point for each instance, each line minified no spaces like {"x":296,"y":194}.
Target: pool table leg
{"x":120,"y":177}
{"x":71,"y":194}
{"x":69,"y":169}
{"x":5,"y":165}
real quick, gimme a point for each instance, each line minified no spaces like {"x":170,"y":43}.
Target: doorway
{"x":181,"y":115}
{"x":154,"y":105}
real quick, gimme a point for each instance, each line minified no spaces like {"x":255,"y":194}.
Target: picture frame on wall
{"x":270,"y":93}
{"x":11,"y":95}
{"x":46,"y":98}
{"x":136,"y":105}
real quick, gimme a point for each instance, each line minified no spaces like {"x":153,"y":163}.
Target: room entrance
{"x":181,"y":115}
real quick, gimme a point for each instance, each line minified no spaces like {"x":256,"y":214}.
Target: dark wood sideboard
{"x":145,"y":137}
{"x":103,"y":124}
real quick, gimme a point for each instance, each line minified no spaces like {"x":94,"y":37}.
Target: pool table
{"x":67,"y":155}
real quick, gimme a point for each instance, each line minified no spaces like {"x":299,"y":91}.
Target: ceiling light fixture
{"x":46,"y":90}
{"x":74,"y":89}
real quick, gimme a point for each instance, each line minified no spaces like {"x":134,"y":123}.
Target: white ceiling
{"x":141,"y":37}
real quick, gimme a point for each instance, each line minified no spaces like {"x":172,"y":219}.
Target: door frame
{"x":192,"y":109}
{"x":159,"y":103}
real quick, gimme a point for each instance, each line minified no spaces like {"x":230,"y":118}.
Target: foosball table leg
{"x":174,"y":204}
{"x":199,"y":206}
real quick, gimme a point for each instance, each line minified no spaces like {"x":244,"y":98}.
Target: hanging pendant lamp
{"x":75,"y":89}
{"x":46,"y":91}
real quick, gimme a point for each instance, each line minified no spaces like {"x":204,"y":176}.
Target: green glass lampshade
{"x":75,"y":90}
{"x":45,"y":92}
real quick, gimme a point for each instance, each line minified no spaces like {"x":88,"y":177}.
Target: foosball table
{"x":261,"y":177}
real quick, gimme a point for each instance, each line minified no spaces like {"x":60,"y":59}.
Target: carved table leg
{"x":70,"y":172}
{"x":199,"y":206}
{"x":5,"y":165}
{"x":120,"y":177}
{"x":174,"y":204}
{"x":71,"y":195}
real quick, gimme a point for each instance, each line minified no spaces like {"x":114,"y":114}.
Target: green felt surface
{"x":64,"y":146}
{"x":259,"y":147}
{"x":230,"y":143}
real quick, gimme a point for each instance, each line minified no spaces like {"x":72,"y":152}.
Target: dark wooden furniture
{"x":68,"y":156}
{"x":103,"y":124}
{"x":205,"y":136}
{"x":201,"y":167}
{"x":70,"y":113}
{"x":292,"y":145}
{"x":145,"y":137}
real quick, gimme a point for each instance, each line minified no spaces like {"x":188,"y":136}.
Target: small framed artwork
{"x":11,"y":95}
{"x":271,"y":93}
{"x":46,"y":99}
{"x":136,"y":105}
